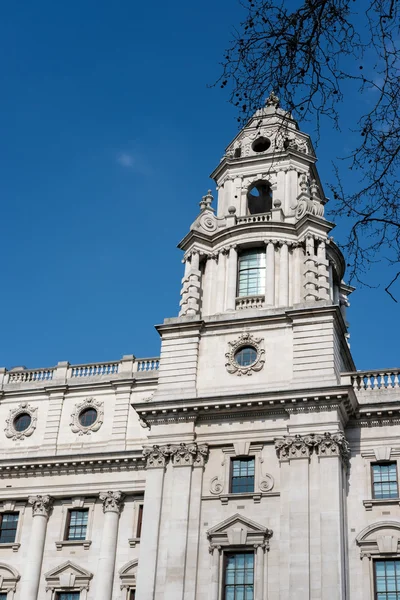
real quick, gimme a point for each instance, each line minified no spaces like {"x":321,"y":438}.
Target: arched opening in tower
{"x":259,"y":198}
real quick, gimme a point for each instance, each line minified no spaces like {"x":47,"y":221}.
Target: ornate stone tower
{"x":262,"y":262}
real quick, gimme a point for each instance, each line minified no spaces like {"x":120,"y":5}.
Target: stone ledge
{"x":255,"y":496}
{"x":133,"y":542}
{"x":62,"y":543}
{"x":14,"y":545}
{"x":369,"y":504}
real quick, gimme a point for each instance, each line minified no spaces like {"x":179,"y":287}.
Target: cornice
{"x":67,"y":465}
{"x":251,"y":403}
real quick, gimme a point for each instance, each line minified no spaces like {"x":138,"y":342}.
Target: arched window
{"x":259,"y":198}
{"x":251,"y":276}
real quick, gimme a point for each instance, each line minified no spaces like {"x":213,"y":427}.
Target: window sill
{"x":225,"y":498}
{"x":133,"y":542}
{"x":14,"y":545}
{"x":85,"y":543}
{"x":369,"y":504}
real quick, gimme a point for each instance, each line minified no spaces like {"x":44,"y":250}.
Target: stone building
{"x":251,"y":460}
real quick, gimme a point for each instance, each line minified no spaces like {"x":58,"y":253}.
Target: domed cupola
{"x":266,"y":245}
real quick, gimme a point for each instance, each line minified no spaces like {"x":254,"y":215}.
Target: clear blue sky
{"x":108,"y":134}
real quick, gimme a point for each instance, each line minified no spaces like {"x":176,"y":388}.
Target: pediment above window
{"x":239,"y":531}
{"x":8,"y":578}
{"x":380,"y":538}
{"x":68,"y":575}
{"x":127,"y":574}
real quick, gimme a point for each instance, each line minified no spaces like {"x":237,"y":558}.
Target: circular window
{"x":22,"y":422}
{"x":261,"y":144}
{"x":88,"y":417}
{"x":246,"y":356}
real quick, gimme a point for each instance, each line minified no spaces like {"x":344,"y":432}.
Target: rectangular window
{"x":3,"y":596}
{"x":68,"y":595}
{"x":139,"y":521}
{"x":8,"y":527}
{"x":387,"y":580}
{"x":384,"y":481}
{"x":239,"y":576}
{"x":132,"y":595}
{"x":242,"y":475}
{"x":251,"y":278}
{"x":77,"y":524}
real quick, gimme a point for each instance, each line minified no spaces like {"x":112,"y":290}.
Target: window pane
{"x":251,"y":279}
{"x":384,"y":481}
{"x":242,"y":479}
{"x":68,"y":596}
{"x":387,"y":580}
{"x":239,"y":576}
{"x":8,"y":527}
{"x":77,"y":524}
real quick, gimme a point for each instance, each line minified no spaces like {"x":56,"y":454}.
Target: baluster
{"x":368,"y":383}
{"x":396,"y":383}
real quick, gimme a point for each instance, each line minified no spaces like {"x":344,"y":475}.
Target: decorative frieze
{"x":41,"y":505}
{"x":181,"y":454}
{"x":112,"y":501}
{"x":325,"y":444}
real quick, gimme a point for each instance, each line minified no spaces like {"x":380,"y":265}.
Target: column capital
{"x":332,"y":444}
{"x":189,"y":455}
{"x":156,"y":456}
{"x":41,"y":505}
{"x":112,"y":501}
{"x":293,"y":446}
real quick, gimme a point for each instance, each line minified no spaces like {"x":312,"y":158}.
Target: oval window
{"x":261,"y":144}
{"x":22,"y":422}
{"x":87,"y":417}
{"x":246,"y":356}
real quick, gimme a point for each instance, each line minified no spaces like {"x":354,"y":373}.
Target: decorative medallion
{"x":21,"y":422}
{"x":245,"y":355}
{"x":87,"y":416}
{"x":267,"y":483}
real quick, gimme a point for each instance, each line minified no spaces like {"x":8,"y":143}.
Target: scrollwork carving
{"x":76,"y":425}
{"x":216,"y":486}
{"x":325,"y":444}
{"x":189,"y":454}
{"x":246,"y":339}
{"x":156,"y":456}
{"x":267,"y":483}
{"x":332,"y":444}
{"x":112,"y":501}
{"x":41,"y":505}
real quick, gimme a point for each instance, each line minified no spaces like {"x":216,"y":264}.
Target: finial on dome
{"x":272,"y":100}
{"x":206,"y":200}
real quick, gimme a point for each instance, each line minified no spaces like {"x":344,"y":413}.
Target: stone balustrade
{"x":249,"y":302}
{"x":260,"y":218}
{"x":383,"y":379}
{"x":128,"y":366}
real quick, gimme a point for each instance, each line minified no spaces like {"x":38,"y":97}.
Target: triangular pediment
{"x":235,"y":521}
{"x":70,"y":567}
{"x":238,"y":530}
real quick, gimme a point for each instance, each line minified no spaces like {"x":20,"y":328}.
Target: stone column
{"x":156,"y":459}
{"x":183,"y":458}
{"x":41,"y":507}
{"x":270,"y":275}
{"x":220,"y":287}
{"x":193,"y":533}
{"x":284,"y":276}
{"x":214,"y":580}
{"x":333,"y":451}
{"x":259,"y":572}
{"x":297,"y":449}
{"x":112,"y":505}
{"x":297,"y":274}
{"x":230,"y":301}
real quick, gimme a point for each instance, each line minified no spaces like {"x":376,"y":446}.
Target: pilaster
{"x":112,"y":505}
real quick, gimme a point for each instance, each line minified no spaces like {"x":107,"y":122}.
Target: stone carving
{"x":41,"y":505}
{"x":308,"y":200}
{"x":22,"y":409}
{"x":272,"y":100}
{"x":112,"y":501}
{"x":189,"y":454}
{"x":206,"y":201}
{"x":332,"y":444}
{"x":76,"y":425}
{"x":216,"y":486}
{"x":325,"y":444}
{"x":156,"y":456}
{"x":293,"y":446}
{"x":208,"y":222}
{"x":246,"y":339}
{"x":267,"y":483}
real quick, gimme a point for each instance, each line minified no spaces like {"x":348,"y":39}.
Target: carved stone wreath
{"x":246,"y":339}
{"x":22,"y":408}
{"x":77,"y":426}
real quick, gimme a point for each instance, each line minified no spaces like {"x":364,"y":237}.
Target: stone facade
{"x":118,"y":480}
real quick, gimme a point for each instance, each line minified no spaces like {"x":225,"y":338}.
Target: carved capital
{"x":156,"y":456}
{"x":41,"y":505}
{"x":189,"y":454}
{"x":332,"y":444}
{"x":293,"y":446}
{"x":112,"y":501}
